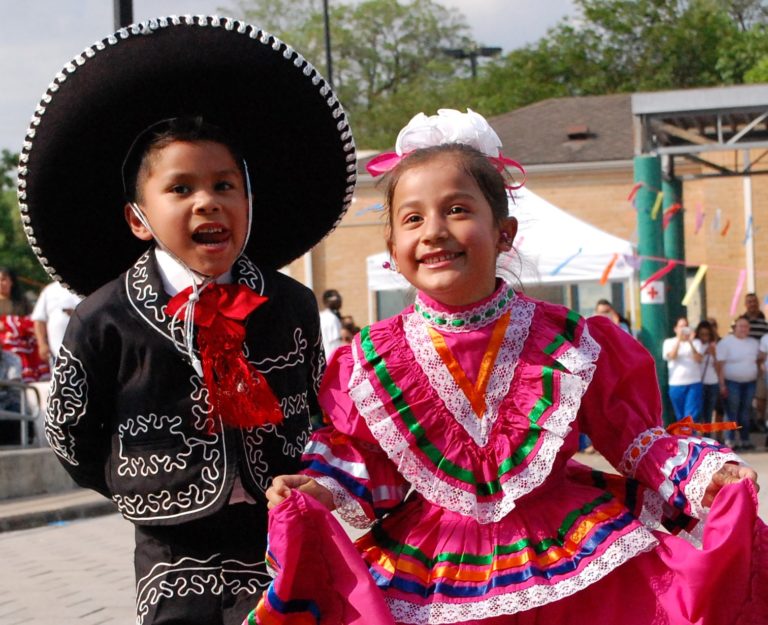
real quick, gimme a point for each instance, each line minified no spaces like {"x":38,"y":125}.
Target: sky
{"x":38,"y":37}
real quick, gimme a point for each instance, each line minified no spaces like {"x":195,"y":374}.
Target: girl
{"x":452,"y":425}
{"x":709,"y":383}
{"x":684,"y":359}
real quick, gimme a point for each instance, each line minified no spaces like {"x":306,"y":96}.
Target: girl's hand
{"x":729,"y":474}
{"x":282,"y":485}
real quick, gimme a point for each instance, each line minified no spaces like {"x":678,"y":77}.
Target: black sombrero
{"x":293,"y":132}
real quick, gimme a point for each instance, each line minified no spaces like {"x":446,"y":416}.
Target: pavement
{"x":68,"y":558}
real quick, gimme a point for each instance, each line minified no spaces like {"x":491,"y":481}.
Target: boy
{"x":189,"y":381}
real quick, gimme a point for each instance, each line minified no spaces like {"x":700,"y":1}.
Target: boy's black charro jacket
{"x":127,"y":412}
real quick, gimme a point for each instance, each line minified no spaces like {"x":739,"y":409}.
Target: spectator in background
{"x":50,"y":317}
{"x":606,"y":309}
{"x":16,"y":331}
{"x":12,"y":300}
{"x":10,"y":398}
{"x":348,"y":330}
{"x":682,"y":353}
{"x":737,"y":369}
{"x":330,"y":321}
{"x":719,"y":403}
{"x":710,"y":388}
{"x":758,"y":327}
{"x":713,"y":324}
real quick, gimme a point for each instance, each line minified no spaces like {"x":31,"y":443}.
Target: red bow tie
{"x":237,"y":391}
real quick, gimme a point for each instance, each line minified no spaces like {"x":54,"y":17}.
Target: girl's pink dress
{"x":451,"y":435}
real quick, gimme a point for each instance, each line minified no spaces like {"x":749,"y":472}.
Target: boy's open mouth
{"x":210,"y":235}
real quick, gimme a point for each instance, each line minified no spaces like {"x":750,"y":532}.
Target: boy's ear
{"x":139,"y":229}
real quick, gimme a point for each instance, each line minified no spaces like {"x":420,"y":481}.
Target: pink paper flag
{"x":659,"y":274}
{"x":737,"y":292}
{"x":700,"y":214}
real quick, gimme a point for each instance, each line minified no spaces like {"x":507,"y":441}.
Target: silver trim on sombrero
{"x":147,"y":27}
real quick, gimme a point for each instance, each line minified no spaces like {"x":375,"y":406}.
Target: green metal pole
{"x":653,"y":310}
{"x":674,"y":247}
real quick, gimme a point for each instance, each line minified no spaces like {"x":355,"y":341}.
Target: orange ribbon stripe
{"x":475,"y":394}
{"x":687,"y":426}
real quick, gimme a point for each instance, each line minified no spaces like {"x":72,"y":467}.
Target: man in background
{"x":51,"y":315}
{"x":330,"y":321}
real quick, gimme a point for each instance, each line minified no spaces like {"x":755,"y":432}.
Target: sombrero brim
{"x":293,"y":132}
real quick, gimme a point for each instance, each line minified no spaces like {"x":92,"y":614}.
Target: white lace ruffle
{"x":635,"y":542}
{"x":448,"y":390}
{"x":638,"y":448}
{"x":347,"y":506}
{"x":460,"y":322}
{"x":580,"y":360}
{"x":697,"y":484}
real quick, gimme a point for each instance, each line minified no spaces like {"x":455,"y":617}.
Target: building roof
{"x":600,"y":129}
{"x":569,"y":130}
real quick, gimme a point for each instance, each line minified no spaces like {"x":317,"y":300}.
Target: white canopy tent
{"x":555,"y":247}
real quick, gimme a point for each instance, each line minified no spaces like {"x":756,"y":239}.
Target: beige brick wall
{"x":339,"y":260}
{"x":598,"y":196}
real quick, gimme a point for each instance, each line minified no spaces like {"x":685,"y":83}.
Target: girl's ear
{"x":139,"y":229}
{"x":507,"y":233}
{"x":391,"y":245}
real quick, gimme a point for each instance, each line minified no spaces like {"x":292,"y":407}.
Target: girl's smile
{"x":444,"y":237}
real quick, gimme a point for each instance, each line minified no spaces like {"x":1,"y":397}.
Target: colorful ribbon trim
{"x":687,"y":426}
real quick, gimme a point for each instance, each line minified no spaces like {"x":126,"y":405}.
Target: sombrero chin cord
{"x":188,"y":333}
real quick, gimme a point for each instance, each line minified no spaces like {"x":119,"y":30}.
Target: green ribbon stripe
{"x":540,"y":547}
{"x":427,"y":447}
{"x":568,"y":334}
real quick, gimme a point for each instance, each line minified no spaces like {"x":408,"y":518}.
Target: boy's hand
{"x":729,"y":474}
{"x":282,"y":485}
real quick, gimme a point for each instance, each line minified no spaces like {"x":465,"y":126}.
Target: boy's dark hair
{"x":474,"y":163}
{"x":162,"y":134}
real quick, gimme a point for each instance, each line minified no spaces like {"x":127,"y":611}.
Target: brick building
{"x":578,"y":153}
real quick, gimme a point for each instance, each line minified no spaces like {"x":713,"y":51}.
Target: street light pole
{"x":472,"y":53}
{"x":123,"y":13}
{"x":328,"y":60}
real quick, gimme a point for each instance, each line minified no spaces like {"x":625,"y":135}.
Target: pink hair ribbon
{"x":382,"y":163}
{"x":387,"y":161}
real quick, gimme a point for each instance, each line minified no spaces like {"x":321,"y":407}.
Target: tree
{"x":633,"y":45}
{"x":297,"y":22}
{"x":380,"y":48}
{"x":14,"y":248}
{"x":388,"y":61}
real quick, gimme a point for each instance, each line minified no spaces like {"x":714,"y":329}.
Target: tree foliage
{"x":381,"y":49}
{"x":388,"y":63}
{"x":14,"y":248}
